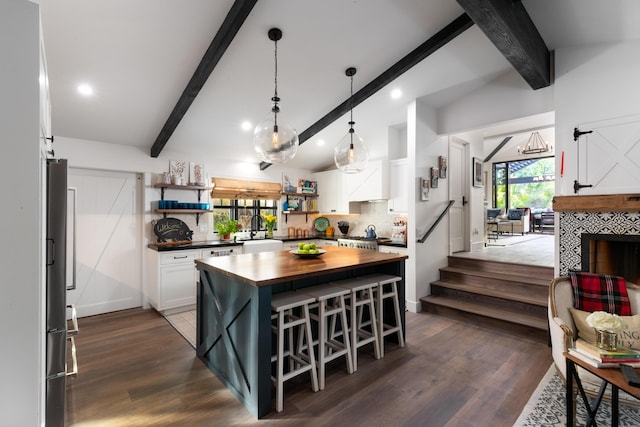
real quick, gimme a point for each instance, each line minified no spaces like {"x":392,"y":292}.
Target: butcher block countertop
{"x":268,"y":268}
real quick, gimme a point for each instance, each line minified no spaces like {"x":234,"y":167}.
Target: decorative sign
{"x":171,"y":229}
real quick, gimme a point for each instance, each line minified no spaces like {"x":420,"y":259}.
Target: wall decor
{"x":442,"y":161}
{"x":424,"y":189}
{"x":196,"y":174}
{"x":178,"y":171}
{"x":434,"y":177}
{"x":477,"y":172}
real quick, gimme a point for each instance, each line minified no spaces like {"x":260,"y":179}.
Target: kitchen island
{"x":234,"y":335}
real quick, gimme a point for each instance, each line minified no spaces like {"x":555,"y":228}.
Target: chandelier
{"x":535,"y":145}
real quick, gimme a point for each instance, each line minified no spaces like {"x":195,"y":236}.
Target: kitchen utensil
{"x":320,"y":252}
{"x":321,"y":223}
{"x":344,"y":227}
{"x":329,"y":232}
{"x":370,"y":231}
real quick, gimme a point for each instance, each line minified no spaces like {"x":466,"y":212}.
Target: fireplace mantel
{"x":597,"y":203}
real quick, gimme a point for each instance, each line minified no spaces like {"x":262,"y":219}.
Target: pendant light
{"x":274,"y":141}
{"x":350,"y":154}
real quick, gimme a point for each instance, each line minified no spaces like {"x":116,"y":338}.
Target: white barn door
{"x":108,"y":249}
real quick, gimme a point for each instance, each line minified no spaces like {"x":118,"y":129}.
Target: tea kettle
{"x":370,"y":231}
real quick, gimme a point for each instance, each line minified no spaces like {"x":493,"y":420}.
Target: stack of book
{"x":599,"y":358}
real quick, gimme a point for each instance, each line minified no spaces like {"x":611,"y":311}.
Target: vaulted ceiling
{"x":140,"y":55}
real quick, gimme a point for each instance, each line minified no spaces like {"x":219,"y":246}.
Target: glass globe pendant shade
{"x":275,"y":143}
{"x":350,"y":154}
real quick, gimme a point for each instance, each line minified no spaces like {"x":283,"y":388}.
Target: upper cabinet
{"x":370,"y":184}
{"x":333,"y":200}
{"x":398,"y":186}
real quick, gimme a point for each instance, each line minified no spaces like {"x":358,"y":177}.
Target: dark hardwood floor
{"x":136,"y":370}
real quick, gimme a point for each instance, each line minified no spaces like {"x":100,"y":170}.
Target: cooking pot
{"x":370,"y":231}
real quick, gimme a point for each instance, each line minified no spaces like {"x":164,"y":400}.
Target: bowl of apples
{"x":307,"y":250}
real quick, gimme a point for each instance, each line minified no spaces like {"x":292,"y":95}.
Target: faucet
{"x":253,"y":232}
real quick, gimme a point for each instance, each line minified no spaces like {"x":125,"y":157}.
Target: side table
{"x":611,"y":376}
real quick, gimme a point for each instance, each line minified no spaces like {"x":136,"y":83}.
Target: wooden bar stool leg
{"x":312,"y":358}
{"x":280,"y":363}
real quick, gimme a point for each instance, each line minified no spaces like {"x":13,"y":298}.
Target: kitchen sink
{"x":261,"y":245}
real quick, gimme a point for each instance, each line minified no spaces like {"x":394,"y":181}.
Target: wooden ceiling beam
{"x":442,"y":37}
{"x":223,"y":38}
{"x":508,"y":25}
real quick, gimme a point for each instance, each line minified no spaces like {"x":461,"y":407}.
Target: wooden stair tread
{"x":520,"y":318}
{"x":499,"y":276}
{"x":496,"y":293}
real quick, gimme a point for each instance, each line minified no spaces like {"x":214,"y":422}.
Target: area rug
{"x":185,"y":324}
{"x":547,"y":407}
{"x":510,"y":240}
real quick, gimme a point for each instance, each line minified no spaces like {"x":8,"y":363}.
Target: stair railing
{"x":433,"y":226}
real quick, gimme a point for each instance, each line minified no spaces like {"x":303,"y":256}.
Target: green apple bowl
{"x":307,"y":255}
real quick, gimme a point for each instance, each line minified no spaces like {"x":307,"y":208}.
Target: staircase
{"x":505,"y":296}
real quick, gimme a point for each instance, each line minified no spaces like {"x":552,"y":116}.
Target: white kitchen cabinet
{"x":173,"y":278}
{"x":398,"y":186}
{"x":223,"y":251}
{"x":370,"y":184}
{"x":393,"y":250}
{"x":321,"y":243}
{"x":333,"y":200}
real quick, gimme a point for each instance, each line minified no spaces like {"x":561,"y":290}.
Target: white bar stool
{"x":387,"y":288}
{"x":329,"y":300}
{"x":282,"y":307}
{"x":361,"y":291}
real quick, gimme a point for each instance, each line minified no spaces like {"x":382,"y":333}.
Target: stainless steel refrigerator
{"x":56,"y":289}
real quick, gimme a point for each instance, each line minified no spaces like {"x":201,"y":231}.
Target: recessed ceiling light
{"x":396,"y":93}
{"x":85,"y":89}
{"x":246,"y":125}
{"x":320,"y":142}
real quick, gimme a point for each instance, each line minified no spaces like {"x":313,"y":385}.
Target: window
{"x":244,"y":210}
{"x":521,"y":183}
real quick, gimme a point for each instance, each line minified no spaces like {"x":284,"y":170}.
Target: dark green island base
{"x":234,"y":309}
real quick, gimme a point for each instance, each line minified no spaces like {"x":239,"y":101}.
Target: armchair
{"x":563,"y":331}
{"x":517,"y":221}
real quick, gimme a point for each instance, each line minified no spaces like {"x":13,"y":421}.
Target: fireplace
{"x":613,"y":219}
{"x":613,"y":254}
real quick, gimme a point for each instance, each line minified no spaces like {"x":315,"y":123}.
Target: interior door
{"x":108,"y":248}
{"x":458,"y":190}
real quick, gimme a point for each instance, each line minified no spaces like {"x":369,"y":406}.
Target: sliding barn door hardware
{"x":577,"y":186}
{"x":577,"y":133}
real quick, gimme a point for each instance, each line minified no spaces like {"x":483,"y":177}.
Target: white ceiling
{"x":139,"y":55}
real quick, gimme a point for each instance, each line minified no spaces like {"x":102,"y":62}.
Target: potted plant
{"x":225,"y":226}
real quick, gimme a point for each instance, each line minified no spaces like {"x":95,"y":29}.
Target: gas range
{"x":359,"y":242}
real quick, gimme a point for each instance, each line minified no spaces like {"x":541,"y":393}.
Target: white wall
{"x":595,"y":83}
{"x":505,"y":98}
{"x":431,"y":255}
{"x":21,"y":304}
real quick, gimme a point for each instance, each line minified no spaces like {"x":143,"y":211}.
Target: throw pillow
{"x":600,"y":292}
{"x":629,"y":338}
{"x":515,"y":214}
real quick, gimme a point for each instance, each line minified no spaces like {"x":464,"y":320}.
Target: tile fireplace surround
{"x":617,"y":214}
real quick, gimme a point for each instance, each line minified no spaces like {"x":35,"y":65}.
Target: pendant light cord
{"x":275,"y":107}
{"x":351,"y":122}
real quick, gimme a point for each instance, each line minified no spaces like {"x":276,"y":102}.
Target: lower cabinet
{"x":393,"y":250}
{"x":173,"y":277}
{"x":289,"y":246}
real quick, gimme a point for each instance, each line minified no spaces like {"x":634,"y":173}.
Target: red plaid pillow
{"x":600,"y":292}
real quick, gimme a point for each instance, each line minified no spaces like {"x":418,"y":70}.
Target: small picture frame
{"x":442,"y":163}
{"x":424,"y":189}
{"x":477,"y":172}
{"x":434,"y":177}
